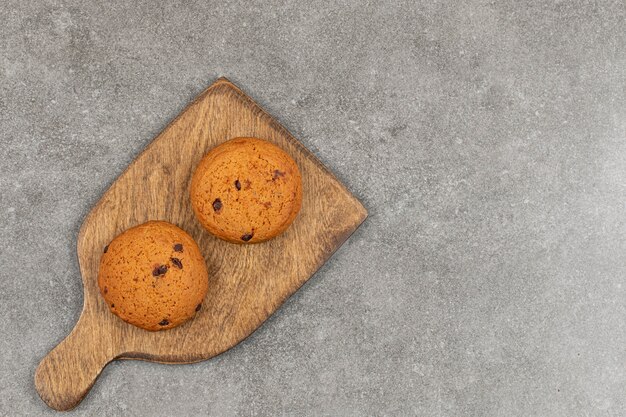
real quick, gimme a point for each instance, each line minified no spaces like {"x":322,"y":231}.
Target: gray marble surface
{"x":486,"y":138}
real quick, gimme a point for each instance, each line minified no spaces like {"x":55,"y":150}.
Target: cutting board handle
{"x":66,"y":374}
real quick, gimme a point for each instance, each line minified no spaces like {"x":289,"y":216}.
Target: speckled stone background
{"x":486,"y":138}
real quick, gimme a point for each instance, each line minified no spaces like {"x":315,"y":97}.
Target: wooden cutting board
{"x":247,"y":283}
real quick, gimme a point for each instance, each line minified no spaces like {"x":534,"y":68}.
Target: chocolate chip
{"x":106,"y":290}
{"x":198,"y":307}
{"x":112,"y":305}
{"x":277,"y":174}
{"x":178,"y":247}
{"x":217,"y":205}
{"x":177,"y":263}
{"x":164,"y":322}
{"x":106,"y":248}
{"x":159,"y":270}
{"x":237,"y":185}
{"x":246,"y":237}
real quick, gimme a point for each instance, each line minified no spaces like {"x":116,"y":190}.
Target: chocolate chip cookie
{"x":153,"y":276}
{"x":246,"y":190}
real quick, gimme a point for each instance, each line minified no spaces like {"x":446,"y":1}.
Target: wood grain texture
{"x":247,"y":283}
